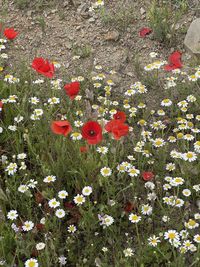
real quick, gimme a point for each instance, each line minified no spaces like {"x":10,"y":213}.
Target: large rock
{"x":192,"y":39}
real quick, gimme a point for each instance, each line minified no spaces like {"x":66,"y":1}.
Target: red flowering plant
{"x":43,"y":67}
{"x":72,"y":89}
{"x":10,"y":33}
{"x":174,"y":61}
{"x":92,"y":132}
{"x":61,"y":127}
{"x":120,"y":115}
{"x":147,"y":176}
{"x":144,"y":32}
{"x":117,"y":128}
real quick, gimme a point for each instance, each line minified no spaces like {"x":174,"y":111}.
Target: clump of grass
{"x":163,"y":18}
{"x":119,"y":18}
{"x":83,"y":51}
{"x":38,"y":5}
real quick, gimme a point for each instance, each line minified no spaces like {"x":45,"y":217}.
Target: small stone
{"x":69,"y":46}
{"x":192,"y":39}
{"x":29,"y":13}
{"x":112,"y":36}
{"x":142,"y":11}
{"x":91,"y":20}
{"x":130,"y":74}
{"x":83,"y":10}
{"x":66,"y":3}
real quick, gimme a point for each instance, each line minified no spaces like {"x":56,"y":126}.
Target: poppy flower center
{"x":92,"y":132}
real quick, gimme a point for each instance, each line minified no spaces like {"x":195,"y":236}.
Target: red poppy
{"x":69,"y":205}
{"x":174,"y":61}
{"x":144,"y":31}
{"x":117,"y":128}
{"x":83,"y":149}
{"x":10,"y":33}
{"x":34,"y":253}
{"x":61,"y":127}
{"x":43,"y":67}
{"x":72,"y":89}
{"x":40,"y":226}
{"x":129,"y":207}
{"x":120,"y":115}
{"x":92,"y":132}
{"x":39,"y":197}
{"x":1,"y":105}
{"x":147,"y":176}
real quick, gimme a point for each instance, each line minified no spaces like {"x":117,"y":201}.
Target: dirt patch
{"x":60,"y":31}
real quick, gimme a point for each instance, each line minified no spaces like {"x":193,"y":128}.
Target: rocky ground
{"x":66,"y":28}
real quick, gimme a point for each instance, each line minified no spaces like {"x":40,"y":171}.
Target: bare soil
{"x":62,"y":30}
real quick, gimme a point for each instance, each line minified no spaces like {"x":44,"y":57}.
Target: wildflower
{"x":12,"y":215}
{"x":189,"y":156}
{"x":53,"y":203}
{"x":18,"y":119}
{"x":27,"y":226}
{"x":62,"y":194}
{"x":133,"y":172}
{"x":49,"y":179}
{"x":34,"y":100}
{"x":31,"y":263}
{"x":60,"y":213}
{"x":76,"y":136}
{"x":151,"y":196}
{"x":197,"y":146}
{"x":62,"y":260}
{"x":12,"y":128}
{"x":158,"y":142}
{"x":153,"y":54}
{"x":150,"y":185}
{"x":87,"y":190}
{"x":12,"y":99}
{"x":170,"y":167}
{"x":79,"y":199}
{"x":197,"y":238}
{"x":166,"y":102}
{"x":191,"y":224}
{"x":53,"y":100}
{"x":71,"y":228}
{"x":120,"y":115}
{"x":192,"y":78}
{"x":174,"y":61}
{"x":117,"y":128}
{"x":186,"y":192}
{"x":22,"y":188}
{"x":72,"y":89}
{"x":153,"y":241}
{"x":43,"y":67}
{"x":144,"y":31}
{"x":11,"y":168}
{"x":106,"y":220}
{"x":146,"y":209}
{"x":171,"y":235}
{"x":78,"y":124}
{"x":128,"y":252}
{"x":61,"y":127}
{"x":134,"y":218}
{"x":92,"y":132}
{"x":40,"y":246}
{"x":10,"y":33}
{"x":102,"y":150}
{"x":147,"y":176}
{"x":105,"y":172}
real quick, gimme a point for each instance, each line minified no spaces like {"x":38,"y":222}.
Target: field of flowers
{"x":91,"y":177}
